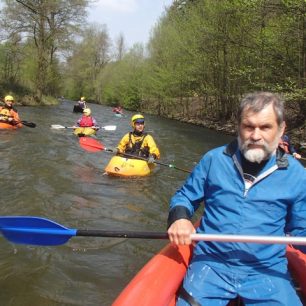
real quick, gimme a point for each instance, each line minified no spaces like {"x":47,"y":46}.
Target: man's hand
{"x":114,"y":150}
{"x":151,"y":158}
{"x":297,"y":155}
{"x":179,"y":232}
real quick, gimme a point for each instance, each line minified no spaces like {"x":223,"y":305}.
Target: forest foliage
{"x":212,"y":50}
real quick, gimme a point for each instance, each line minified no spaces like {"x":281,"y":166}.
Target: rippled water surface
{"x":45,"y":173}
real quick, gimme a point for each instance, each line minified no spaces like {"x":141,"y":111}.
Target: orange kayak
{"x":7,"y":126}
{"x":158,"y":282}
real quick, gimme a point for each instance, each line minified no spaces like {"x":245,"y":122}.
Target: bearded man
{"x":249,"y":187}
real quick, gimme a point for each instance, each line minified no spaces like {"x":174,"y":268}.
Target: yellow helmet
{"x":87,"y":111}
{"x":82,"y":98}
{"x":136,"y":118}
{"x":8,"y":98}
{"x":5,"y":112}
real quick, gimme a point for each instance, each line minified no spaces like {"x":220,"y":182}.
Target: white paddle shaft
{"x":250,"y":239}
{"x":107,"y":127}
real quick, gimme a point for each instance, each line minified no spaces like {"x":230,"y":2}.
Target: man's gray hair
{"x":257,"y":101}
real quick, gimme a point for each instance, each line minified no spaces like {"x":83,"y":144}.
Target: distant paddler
{"x":287,"y":146}
{"x":9,"y":117}
{"x":136,"y":152}
{"x":118,"y":111}
{"x":86,"y":125}
{"x":80,"y":106}
{"x":82,"y":103}
{"x":137,"y":142}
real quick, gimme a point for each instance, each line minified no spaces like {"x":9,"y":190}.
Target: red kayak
{"x":157,"y":283}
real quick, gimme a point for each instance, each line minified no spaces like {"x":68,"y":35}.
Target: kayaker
{"x":11,"y":113}
{"x":249,"y":187}
{"x":86,"y":125}
{"x":118,"y":110}
{"x":288,"y":147}
{"x":138,"y":142}
{"x":86,"y":120}
{"x":82,"y":103}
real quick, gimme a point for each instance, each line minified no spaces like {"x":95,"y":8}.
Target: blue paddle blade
{"x":34,"y":231}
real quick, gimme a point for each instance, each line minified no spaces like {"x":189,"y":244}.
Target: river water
{"x":45,"y":173}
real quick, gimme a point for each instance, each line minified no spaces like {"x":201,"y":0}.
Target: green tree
{"x":89,"y":57}
{"x":122,"y":81}
{"x":222,"y":49}
{"x":48,"y":24}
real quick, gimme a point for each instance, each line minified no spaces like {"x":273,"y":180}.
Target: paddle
{"x":41,"y":231}
{"x":93,"y":145}
{"x":26,"y":123}
{"x":29,"y":124}
{"x":107,"y":127}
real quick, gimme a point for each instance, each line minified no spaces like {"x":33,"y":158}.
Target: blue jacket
{"x":274,"y":205}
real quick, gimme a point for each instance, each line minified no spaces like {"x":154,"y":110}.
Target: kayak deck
{"x":84,"y":131}
{"x":128,"y":167}
{"x":158,"y":282}
{"x":8,"y":126}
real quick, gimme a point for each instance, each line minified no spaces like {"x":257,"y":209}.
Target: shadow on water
{"x":45,"y":173}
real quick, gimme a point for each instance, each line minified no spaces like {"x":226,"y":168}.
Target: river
{"x":45,"y":173}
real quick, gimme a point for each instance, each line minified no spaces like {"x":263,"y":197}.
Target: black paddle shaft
{"x":155,"y":161}
{"x":29,"y":124}
{"x":122,"y":234}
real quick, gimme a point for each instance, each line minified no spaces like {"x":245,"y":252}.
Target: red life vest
{"x":86,"y":121}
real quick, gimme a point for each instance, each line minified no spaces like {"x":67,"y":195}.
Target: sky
{"x":133,"y":18}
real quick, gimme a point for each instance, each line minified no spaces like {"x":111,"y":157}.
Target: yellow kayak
{"x":84,"y":131}
{"x":121,"y":166}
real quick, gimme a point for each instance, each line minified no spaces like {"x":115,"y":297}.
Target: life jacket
{"x":136,"y":148}
{"x":86,"y":121}
{"x":5,"y":114}
{"x":284,"y":145}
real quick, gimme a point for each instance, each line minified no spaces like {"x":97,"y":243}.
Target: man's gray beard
{"x":259,"y":154}
{"x":255,"y":155}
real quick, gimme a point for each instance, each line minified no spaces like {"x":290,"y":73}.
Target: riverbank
{"x":198,"y":111}
{"x":28,"y":100}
